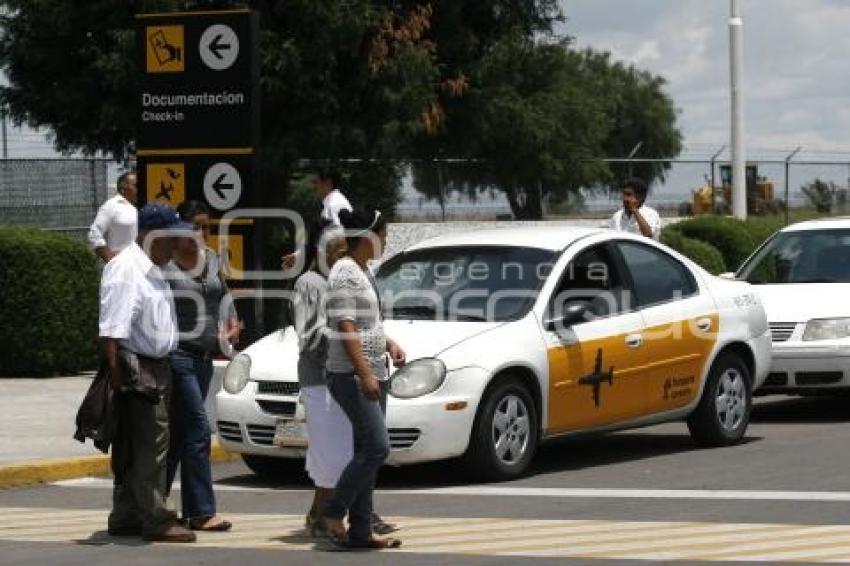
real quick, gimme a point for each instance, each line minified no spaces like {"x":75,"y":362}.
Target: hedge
{"x":729,"y":236}
{"x":48,"y":304}
{"x":702,"y":253}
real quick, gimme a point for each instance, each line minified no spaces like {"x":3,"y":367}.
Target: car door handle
{"x":634,"y":340}
{"x":704,"y":324}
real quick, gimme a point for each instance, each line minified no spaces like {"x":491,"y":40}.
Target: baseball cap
{"x":161,"y":217}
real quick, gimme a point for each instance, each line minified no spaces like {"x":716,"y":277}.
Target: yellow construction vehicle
{"x":718,"y":200}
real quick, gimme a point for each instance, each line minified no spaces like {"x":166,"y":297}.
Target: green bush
{"x":728,"y":235}
{"x":48,"y":304}
{"x":704,"y":254}
{"x":762,"y":227}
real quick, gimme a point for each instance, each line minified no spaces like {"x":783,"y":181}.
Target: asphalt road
{"x":782,"y":496}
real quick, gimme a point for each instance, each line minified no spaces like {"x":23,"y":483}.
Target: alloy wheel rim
{"x":511,"y":430}
{"x":731,"y":402}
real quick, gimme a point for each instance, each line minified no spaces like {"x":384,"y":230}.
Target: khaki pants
{"x":139,"y":465}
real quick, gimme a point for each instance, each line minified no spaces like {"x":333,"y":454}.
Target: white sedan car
{"x":802,"y":274}
{"x":521,"y":335}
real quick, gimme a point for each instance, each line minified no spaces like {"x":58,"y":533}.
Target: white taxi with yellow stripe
{"x":516,"y":336}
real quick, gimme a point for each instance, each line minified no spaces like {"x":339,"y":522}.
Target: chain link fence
{"x":54,"y":194}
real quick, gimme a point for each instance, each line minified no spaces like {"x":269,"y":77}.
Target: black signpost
{"x":199,"y":120}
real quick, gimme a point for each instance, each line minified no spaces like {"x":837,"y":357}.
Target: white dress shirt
{"x":333,"y":202}
{"x":116,"y":224}
{"x":136,"y":304}
{"x":628,"y":223}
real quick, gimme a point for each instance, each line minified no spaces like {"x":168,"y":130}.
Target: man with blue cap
{"x":138,"y":328}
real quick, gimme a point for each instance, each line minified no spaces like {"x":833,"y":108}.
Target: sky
{"x":796,"y":64}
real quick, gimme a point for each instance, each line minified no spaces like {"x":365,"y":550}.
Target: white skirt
{"x":329,"y":437}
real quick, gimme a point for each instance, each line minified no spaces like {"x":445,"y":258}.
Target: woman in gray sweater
{"x":328,"y":429}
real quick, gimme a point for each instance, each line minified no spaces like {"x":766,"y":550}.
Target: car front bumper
{"x":801,"y":366}
{"x":433,"y":427}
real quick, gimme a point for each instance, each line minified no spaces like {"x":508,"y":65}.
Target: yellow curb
{"x":35,"y":472}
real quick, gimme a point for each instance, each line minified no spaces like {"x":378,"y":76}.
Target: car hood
{"x":275,"y":356}
{"x":799,"y":302}
{"x":429,"y":338}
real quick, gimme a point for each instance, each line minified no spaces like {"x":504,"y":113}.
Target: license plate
{"x":290,"y":433}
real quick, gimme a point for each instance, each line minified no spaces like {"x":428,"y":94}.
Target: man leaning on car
{"x":138,"y":327}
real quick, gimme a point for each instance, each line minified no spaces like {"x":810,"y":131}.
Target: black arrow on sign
{"x":215,"y":46}
{"x":219,"y":187}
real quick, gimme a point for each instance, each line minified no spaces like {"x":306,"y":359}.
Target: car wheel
{"x":723,"y":413}
{"x":279,"y":470}
{"x":505,"y":434}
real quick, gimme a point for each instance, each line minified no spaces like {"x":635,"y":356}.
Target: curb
{"x":34,"y":472}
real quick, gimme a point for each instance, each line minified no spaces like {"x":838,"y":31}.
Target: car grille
{"x":401,"y":438}
{"x":782,"y":331}
{"x":279,"y":408}
{"x":229,"y":431}
{"x":817,"y":377}
{"x":287,"y":388}
{"x":261,"y":434}
{"x":775,"y":379}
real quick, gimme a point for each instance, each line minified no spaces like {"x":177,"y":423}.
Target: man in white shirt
{"x":333,"y":201}
{"x":635,"y":216}
{"x":115,"y":226}
{"x":138,"y":328}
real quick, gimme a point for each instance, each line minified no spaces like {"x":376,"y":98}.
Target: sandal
{"x":337,"y":538}
{"x":316,"y":528}
{"x":375,"y":543}
{"x":201,"y":525}
{"x":381,"y":527}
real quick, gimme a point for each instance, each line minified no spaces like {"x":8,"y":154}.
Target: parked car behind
{"x":802,"y":274}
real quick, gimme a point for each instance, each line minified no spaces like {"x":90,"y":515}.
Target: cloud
{"x":797,"y":63}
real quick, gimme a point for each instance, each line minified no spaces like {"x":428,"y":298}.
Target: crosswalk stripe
{"x":572,"y":541}
{"x":481,"y":536}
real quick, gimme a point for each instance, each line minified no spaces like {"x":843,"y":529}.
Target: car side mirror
{"x":573,"y":314}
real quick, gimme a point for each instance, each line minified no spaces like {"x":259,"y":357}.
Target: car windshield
{"x":476,"y":284}
{"x":814,"y":256}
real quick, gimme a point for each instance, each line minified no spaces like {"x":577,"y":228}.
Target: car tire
{"x":723,"y":413}
{"x":507,"y":414}
{"x":279,"y":470}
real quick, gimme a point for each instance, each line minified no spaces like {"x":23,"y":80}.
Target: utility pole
{"x":713,"y":163}
{"x":787,"y":182}
{"x":736,"y":56}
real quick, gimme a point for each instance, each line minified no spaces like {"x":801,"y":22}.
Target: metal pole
{"x":5,"y":138}
{"x":787,"y":184}
{"x":632,"y":153}
{"x":442,"y":190}
{"x":713,"y":163}
{"x":736,"y":55}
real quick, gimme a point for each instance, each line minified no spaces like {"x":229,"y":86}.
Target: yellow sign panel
{"x":232,"y":256}
{"x":166,"y":182}
{"x":165,"y":49}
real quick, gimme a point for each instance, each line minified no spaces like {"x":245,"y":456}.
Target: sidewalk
{"x":37,"y":418}
{"x":36,"y":432}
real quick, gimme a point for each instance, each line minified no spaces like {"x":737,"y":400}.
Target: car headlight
{"x":827,"y":329}
{"x":418,"y":378}
{"x":237,"y":373}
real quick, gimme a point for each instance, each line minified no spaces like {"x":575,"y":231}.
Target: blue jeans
{"x":190,"y":433}
{"x":353,"y":492}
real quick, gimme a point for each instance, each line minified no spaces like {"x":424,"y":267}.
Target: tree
{"x":640,"y":115}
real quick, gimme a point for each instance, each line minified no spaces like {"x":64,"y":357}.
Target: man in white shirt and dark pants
{"x":114,"y":228}
{"x":138,"y":328}
{"x":333,"y":201}
{"x":635,"y":216}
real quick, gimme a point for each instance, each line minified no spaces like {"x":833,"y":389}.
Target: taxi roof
{"x":553,"y":238}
